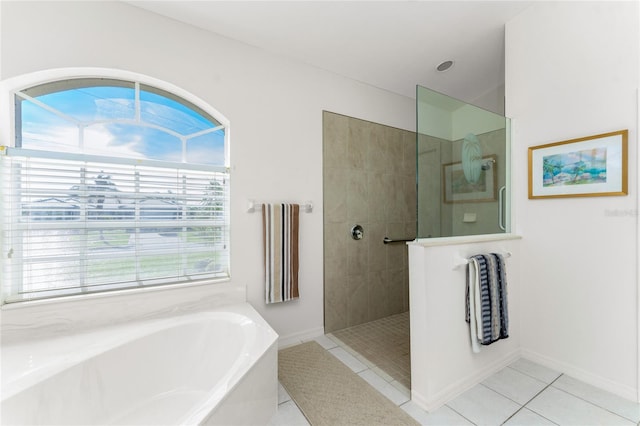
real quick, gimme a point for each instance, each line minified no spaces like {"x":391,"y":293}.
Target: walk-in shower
{"x":462,"y":166}
{"x":369,"y":172}
{"x":383,"y":186}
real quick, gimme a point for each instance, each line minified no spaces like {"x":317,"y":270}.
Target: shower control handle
{"x":357,"y":233}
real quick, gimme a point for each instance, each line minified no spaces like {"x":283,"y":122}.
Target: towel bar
{"x":461,"y":262}
{"x":307,"y":207}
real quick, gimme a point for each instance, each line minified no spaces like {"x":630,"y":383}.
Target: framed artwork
{"x":457,"y":189}
{"x":584,"y":167}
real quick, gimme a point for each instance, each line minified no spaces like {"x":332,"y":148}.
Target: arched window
{"x":112,"y":184}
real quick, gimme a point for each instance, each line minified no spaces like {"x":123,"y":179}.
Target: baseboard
{"x":299,"y":337}
{"x":621,"y":390}
{"x":459,"y":387}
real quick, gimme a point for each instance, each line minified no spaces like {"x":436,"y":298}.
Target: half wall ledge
{"x":464,"y":239}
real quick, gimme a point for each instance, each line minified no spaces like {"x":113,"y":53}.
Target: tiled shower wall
{"x":369,"y":179}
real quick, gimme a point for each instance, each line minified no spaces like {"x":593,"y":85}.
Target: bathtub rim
{"x":46,"y":318}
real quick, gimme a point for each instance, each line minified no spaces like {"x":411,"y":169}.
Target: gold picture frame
{"x":592,"y":166}
{"x":456,"y":188}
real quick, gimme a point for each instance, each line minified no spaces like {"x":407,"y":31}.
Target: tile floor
{"x":524,"y":393}
{"x":384,"y":343}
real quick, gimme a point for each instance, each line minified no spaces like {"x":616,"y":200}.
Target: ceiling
{"x":393,"y":45}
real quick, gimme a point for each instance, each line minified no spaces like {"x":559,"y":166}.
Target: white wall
{"x":274,"y":106}
{"x":470,"y":118}
{"x":493,"y":100}
{"x":434,"y":121}
{"x":572,"y":71}
{"x":442,"y":363}
{"x":456,"y":124}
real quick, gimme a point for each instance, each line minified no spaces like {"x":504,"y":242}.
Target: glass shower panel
{"x":462,"y":164}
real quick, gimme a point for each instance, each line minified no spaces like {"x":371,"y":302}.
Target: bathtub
{"x":214,"y":367}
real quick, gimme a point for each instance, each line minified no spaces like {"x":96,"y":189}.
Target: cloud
{"x":98,"y":139}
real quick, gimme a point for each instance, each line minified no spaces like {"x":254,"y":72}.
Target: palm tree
{"x":550,"y":168}
{"x":579,"y":169}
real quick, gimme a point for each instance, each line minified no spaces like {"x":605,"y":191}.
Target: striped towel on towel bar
{"x":280,"y":242}
{"x":486,"y":300}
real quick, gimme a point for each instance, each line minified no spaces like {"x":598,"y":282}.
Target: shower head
{"x":487,"y":164}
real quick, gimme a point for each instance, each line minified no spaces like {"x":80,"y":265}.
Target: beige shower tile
{"x":378,"y":196}
{"x":395,"y":147}
{"x":357,"y":153}
{"x":335,"y":269}
{"x":411,"y":228}
{"x":388,"y":186}
{"x":358,"y":255}
{"x":378,"y":296}
{"x":405,"y":295}
{"x":335,"y":306}
{"x":394,"y":211}
{"x":396,"y":252}
{"x":355,"y":283}
{"x":396,"y":227}
{"x":335,"y":254}
{"x":336,"y":237}
{"x":395,"y":291}
{"x":377,"y":249}
{"x":378,"y":150}
{"x":335,"y":196}
{"x":370,"y":199}
{"x":335,"y":132}
{"x":357,"y":197}
{"x":409,"y":151}
{"x":357,"y":300}
{"x":410,"y":195}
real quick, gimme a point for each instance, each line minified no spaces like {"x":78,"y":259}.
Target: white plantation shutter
{"x":76,"y":223}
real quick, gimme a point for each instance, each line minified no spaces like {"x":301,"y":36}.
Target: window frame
{"x":8,"y":137}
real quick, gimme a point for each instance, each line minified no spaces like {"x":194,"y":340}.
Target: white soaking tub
{"x":214,"y":367}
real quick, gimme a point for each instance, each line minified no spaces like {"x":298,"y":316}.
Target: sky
{"x":105,"y":119}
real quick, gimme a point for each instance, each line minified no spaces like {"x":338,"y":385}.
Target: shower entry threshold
{"x":385,"y":343}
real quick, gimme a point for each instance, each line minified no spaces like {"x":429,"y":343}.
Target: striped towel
{"x":486,"y":300}
{"x":280,"y":242}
